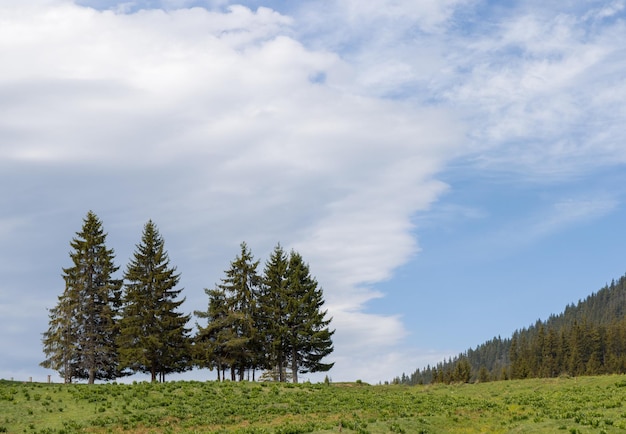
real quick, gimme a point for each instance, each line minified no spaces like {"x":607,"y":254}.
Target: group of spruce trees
{"x":586,"y":339}
{"x":103,"y":328}
{"x":272,"y":321}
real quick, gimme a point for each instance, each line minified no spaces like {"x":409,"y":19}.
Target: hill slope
{"x":588,"y":338}
{"x":592,"y":404}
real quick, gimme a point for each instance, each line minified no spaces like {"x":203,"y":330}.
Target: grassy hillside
{"x":572,"y":405}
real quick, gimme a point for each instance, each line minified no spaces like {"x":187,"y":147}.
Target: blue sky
{"x":451,"y":170}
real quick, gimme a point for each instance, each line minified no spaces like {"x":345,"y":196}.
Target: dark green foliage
{"x":230,"y":339}
{"x":59,"y":342}
{"x":273,"y":301}
{"x":273,"y":323}
{"x":586,"y":339}
{"x":462,"y":372}
{"x":153,"y":337}
{"x":81,"y":340}
{"x":211,"y":344}
{"x":103,"y":330}
{"x":309,"y":338}
{"x":294,"y":327}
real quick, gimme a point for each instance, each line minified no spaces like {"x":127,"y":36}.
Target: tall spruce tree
{"x":294,"y":325}
{"x":309,"y":337}
{"x":81,"y":339}
{"x":240,"y":287}
{"x":272,"y":312}
{"x":153,"y":335}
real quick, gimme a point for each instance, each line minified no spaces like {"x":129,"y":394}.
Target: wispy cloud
{"x":538,"y":224}
{"x":568,"y":212}
{"x":539,"y":88}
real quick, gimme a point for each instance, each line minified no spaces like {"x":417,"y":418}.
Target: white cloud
{"x":534,"y":81}
{"x":392,"y":46}
{"x":538,"y":88}
{"x":605,"y":11}
{"x":569,"y":212}
{"x":427,"y":15}
{"x":210,"y":124}
{"x":386,"y":364}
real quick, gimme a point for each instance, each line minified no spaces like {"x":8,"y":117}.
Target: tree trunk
{"x":294,"y":365}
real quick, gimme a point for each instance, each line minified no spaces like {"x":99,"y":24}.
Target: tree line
{"x":588,"y":338}
{"x":104,"y":328}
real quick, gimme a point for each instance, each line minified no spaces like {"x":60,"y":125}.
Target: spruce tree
{"x":153,"y":337}
{"x":295,"y":328}
{"x":81,"y":339}
{"x":309,"y":337}
{"x":272,"y":312}
{"x":60,"y":341}
{"x":240,"y":290}
{"x":214,"y":341}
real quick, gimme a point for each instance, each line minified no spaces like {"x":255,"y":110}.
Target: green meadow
{"x":569,"y":405}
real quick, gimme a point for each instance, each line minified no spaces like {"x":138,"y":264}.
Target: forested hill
{"x":587,"y":338}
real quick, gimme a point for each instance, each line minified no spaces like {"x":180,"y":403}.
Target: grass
{"x":567,"y":405}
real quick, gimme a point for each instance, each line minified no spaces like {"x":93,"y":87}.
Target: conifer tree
{"x":81,"y":340}
{"x":309,"y":337}
{"x":294,"y":326}
{"x":462,"y":372}
{"x":275,"y":322}
{"x":214,"y":341}
{"x":273,"y":311}
{"x":153,"y":337}
{"x":230,"y":338}
{"x":240,"y":288}
{"x":60,"y":340}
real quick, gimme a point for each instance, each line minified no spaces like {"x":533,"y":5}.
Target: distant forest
{"x":588,"y":338}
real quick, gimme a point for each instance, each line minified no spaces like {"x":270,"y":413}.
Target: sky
{"x":451,"y":170}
